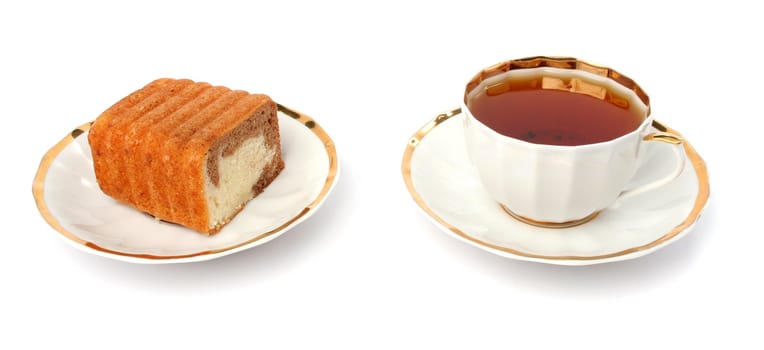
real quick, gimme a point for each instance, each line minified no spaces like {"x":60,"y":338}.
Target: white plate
{"x":442,"y":181}
{"x":69,"y":198}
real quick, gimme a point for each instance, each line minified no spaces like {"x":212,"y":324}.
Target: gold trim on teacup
{"x":38,"y":190}
{"x":560,"y":63}
{"x":700,"y":200}
{"x":663,"y":136}
{"x":549,"y":224}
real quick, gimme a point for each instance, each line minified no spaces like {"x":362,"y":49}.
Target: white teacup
{"x":553,"y":185}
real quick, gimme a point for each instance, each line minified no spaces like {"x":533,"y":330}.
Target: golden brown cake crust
{"x":150,"y":148}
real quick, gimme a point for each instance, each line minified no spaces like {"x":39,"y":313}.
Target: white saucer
{"x":69,"y":198}
{"x":442,"y":181}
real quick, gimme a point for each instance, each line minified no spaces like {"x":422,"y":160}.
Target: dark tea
{"x":548,"y":110}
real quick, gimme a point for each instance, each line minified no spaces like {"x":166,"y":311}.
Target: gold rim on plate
{"x":700,"y":201}
{"x":38,"y":190}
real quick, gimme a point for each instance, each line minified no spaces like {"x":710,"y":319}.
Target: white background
{"x":368,"y":270}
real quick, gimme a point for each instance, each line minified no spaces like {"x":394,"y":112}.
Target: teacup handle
{"x":676,"y":142}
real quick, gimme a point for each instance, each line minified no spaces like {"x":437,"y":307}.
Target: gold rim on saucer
{"x":700,"y":200}
{"x":38,"y":190}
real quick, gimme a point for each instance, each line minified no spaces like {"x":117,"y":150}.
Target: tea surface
{"x":555,"y":117}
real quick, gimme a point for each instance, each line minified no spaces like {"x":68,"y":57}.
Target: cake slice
{"x":186,"y":152}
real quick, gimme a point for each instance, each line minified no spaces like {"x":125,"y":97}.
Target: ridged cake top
{"x":178,"y":109}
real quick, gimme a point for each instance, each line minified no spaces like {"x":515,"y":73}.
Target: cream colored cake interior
{"x":238,"y":172}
